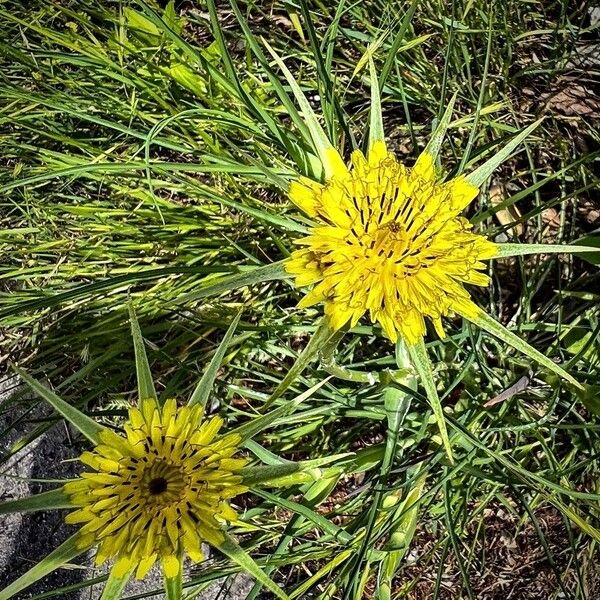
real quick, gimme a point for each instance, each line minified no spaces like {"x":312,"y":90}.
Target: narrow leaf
{"x":392,"y":56}
{"x":115,"y":585}
{"x":87,"y":426}
{"x":422,"y":364}
{"x":214,"y":287}
{"x":522,"y":249}
{"x":205,"y":385}
{"x":44,"y":501}
{"x":319,"y":520}
{"x":329,"y":156}
{"x":498,"y":330}
{"x":480,"y":175}
{"x":238,"y":555}
{"x":67,"y":551}
{"x":316,"y":342}
{"x":335,"y":562}
{"x":376,"y":133}
{"x":250,"y":429}
{"x":142,"y":367}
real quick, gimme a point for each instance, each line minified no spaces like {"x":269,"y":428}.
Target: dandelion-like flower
{"x":389,"y":241}
{"x":158,"y":491}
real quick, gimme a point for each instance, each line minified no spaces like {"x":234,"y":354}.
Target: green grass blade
{"x":67,"y":551}
{"x":44,"y":501}
{"x":423,"y":367}
{"x":93,"y":289}
{"x":498,"y":330}
{"x":324,"y":76}
{"x":376,"y":133}
{"x":230,"y":71}
{"x":522,"y":249}
{"x":319,"y":520}
{"x":142,"y":366}
{"x":238,"y":555}
{"x":481,"y":174}
{"x":233,"y":282}
{"x":87,"y":426}
{"x":202,"y":392}
{"x":115,"y":585}
{"x":392,"y":54}
{"x":250,"y":429}
{"x":279,"y":89}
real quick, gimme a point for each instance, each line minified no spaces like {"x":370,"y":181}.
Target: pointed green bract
{"x":67,"y":551}
{"x":262,"y":474}
{"x":498,"y":330}
{"x":205,"y":385}
{"x":88,"y":427}
{"x":330,"y":158}
{"x":142,"y":367}
{"x":422,"y":365}
{"x":376,"y":133}
{"x":437,"y":137}
{"x":481,"y":174}
{"x":43,"y":501}
{"x":237,"y":554}
{"x":116,"y":584}
{"x":523,"y":249}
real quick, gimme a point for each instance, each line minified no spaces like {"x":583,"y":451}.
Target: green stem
{"x":174,"y":585}
{"x":329,"y":364}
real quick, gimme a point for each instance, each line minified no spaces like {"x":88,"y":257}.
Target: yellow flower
{"x":389,"y":241}
{"x":158,"y":491}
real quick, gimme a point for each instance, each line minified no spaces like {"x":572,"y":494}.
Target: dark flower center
{"x":158,"y":485}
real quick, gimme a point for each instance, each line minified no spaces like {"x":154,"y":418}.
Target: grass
{"x":145,"y":156}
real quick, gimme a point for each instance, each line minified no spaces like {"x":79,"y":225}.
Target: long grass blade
{"x":330,"y":158}
{"x":67,"y":551}
{"x":87,"y":426}
{"x":238,"y":555}
{"x":44,"y":501}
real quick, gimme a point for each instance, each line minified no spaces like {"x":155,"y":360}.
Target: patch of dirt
{"x":508,"y":562}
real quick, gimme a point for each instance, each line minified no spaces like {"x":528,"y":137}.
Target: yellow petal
{"x":123,"y":565}
{"x":377,"y":153}
{"x":424,"y":167}
{"x":144,"y":566}
{"x":171,"y":565}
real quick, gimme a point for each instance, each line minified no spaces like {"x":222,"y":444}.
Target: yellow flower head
{"x":158,"y":491}
{"x":390,"y":241}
